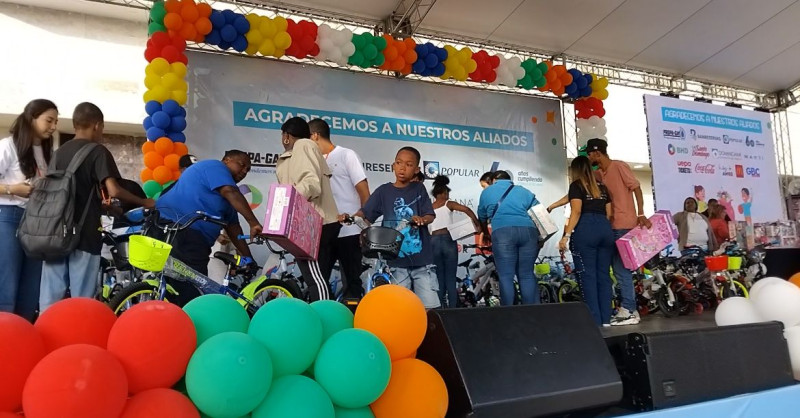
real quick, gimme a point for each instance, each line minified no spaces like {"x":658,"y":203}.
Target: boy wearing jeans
{"x":407,"y":200}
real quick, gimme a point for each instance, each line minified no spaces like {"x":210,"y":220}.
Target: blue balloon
{"x":171,"y":107}
{"x":229,"y":15}
{"x":181,"y":112}
{"x":147,"y":123}
{"x":177,"y":137}
{"x":240,"y":44}
{"x":161,"y":120}
{"x":155,"y":133}
{"x":421,"y":51}
{"x":217,"y":19}
{"x":418,"y":67}
{"x":572,"y":88}
{"x":575,"y":72}
{"x":152,"y":107}
{"x":213,"y":37}
{"x":224,"y":45}
{"x":586,"y":91}
{"x":581,"y":82}
{"x":439,"y":70}
{"x":431,"y":60}
{"x":441,"y":53}
{"x":178,"y":124}
{"x":228,"y":33}
{"x":589,"y":78}
{"x":241,"y":24}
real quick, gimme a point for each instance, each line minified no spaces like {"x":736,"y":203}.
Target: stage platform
{"x":656,"y":322}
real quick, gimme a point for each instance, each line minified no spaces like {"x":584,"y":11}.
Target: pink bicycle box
{"x":292,"y":222}
{"x":640,"y":244}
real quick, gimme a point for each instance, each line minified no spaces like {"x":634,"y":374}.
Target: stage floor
{"x":657,"y":322}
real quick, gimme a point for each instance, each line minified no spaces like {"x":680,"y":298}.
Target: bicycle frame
{"x":178,"y":270}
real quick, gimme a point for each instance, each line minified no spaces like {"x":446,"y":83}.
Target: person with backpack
{"x":72,"y":249}
{"x":23,"y":157}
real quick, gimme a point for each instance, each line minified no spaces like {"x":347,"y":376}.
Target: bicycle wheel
{"x":546,"y":294}
{"x":568,"y":292}
{"x":131,"y":295}
{"x":272,"y":289}
{"x":670,"y":309}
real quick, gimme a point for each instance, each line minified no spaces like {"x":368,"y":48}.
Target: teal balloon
{"x":202,"y":415}
{"x":215,"y":314}
{"x":292,"y":332}
{"x":151,"y":187}
{"x":334,"y":316}
{"x":354,"y":367}
{"x":364,"y":412}
{"x":229,"y":375}
{"x":167,"y":184}
{"x":295,"y":397}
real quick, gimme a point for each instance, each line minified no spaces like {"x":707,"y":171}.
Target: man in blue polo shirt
{"x":209,"y":186}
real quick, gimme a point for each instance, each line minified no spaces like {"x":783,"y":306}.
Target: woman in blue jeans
{"x":445,"y":249}
{"x":515,"y":239}
{"x":591,"y":238}
{"x":23,"y":157}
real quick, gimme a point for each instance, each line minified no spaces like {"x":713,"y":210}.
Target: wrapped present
{"x":641,"y":244}
{"x":292,"y":222}
{"x":544,"y":223}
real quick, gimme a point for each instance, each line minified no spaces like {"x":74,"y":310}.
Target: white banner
{"x":709,"y":151}
{"x":240,"y":103}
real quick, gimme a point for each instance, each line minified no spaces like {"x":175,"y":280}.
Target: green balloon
{"x":526,"y":82}
{"x":356,"y":59}
{"x":151,"y":187}
{"x":157,"y":12}
{"x":370,"y":52}
{"x":540,"y":82}
{"x":215,"y":314}
{"x":542,"y":67}
{"x":229,"y":375}
{"x":354,"y":367}
{"x":154,"y":27}
{"x":296,"y":397}
{"x":359,"y":42}
{"x":379,"y":42}
{"x":157,"y":196}
{"x":379,"y":60}
{"x":335,"y":317}
{"x":364,"y":412}
{"x":202,"y":415}
{"x":535,"y":73}
{"x":292,"y":332}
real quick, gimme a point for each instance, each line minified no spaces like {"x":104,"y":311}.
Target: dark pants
{"x":445,"y":256}
{"x":20,"y":275}
{"x":593,"y":249}
{"x":316,"y":273}
{"x":347,"y":251}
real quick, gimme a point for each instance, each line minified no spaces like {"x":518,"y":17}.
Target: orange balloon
{"x":176,"y":175}
{"x":171,"y":161}
{"x":396,"y":316}
{"x":203,"y":26}
{"x":173,"y":6}
{"x":146,"y":175}
{"x":180,"y":149}
{"x":188,"y":32}
{"x":153,"y":160}
{"x":173,"y":21}
{"x":415,"y":390}
{"x":163,"y":146}
{"x":795,"y":279}
{"x":148,"y":147}
{"x":204,"y":9}
{"x":162,"y":174}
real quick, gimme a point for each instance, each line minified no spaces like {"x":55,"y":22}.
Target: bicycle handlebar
{"x":260,"y":240}
{"x":465,"y":247}
{"x":349,"y":220}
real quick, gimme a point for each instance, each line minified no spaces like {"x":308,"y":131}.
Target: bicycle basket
{"x":381,"y":240}
{"x":147,"y":253}
{"x":541,"y":269}
{"x":717,"y":263}
{"x":734,"y":263}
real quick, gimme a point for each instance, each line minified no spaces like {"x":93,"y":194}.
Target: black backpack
{"x":49,"y":229}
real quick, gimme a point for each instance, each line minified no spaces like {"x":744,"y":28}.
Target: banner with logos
{"x":709,"y":151}
{"x":240,"y":103}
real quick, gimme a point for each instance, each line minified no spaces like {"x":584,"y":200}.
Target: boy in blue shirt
{"x":407,"y":200}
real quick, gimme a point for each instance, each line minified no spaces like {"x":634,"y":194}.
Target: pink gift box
{"x":292,"y":222}
{"x":640,"y":244}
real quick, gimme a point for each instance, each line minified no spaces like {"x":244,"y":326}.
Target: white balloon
{"x":514,"y":62}
{"x":324,"y":29}
{"x":601,"y":130}
{"x":348,"y":49}
{"x":345,"y":36}
{"x":326,"y":44}
{"x":601,"y":122}
{"x":778,"y":301}
{"x":763,"y":282}
{"x":518,"y":72}
{"x":736,"y":310}
{"x":581,"y":123}
{"x":792,"y":336}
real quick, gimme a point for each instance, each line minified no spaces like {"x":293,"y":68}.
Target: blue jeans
{"x":79,"y":271}
{"x":515,"y":249}
{"x":593,"y":249}
{"x":624,"y":276}
{"x":19,"y":274}
{"x":445,"y":256}
{"x":420,"y":279}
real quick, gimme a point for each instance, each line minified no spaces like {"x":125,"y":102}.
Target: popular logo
{"x":431,"y":169}
{"x":253,"y":195}
{"x":727,"y":139}
{"x":753,"y":172}
{"x":739,"y":171}
{"x":700,"y":151}
{"x":684,"y":167}
{"x":674,"y":133}
{"x":704,"y":169}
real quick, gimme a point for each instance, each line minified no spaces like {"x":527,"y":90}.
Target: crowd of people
{"x":332,"y":179}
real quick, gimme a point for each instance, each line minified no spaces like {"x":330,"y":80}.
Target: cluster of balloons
{"x":459,"y":63}
{"x":599,"y":86}
{"x":166,"y":46}
{"x":430,"y":60}
{"x":267,"y":36}
{"x":187,"y":19}
{"x":335,"y":45}
{"x":157,"y":13}
{"x":368,"y":51}
{"x":592,"y":127}
{"x":534,"y":74}
{"x":165,"y":81}
{"x":161,"y":161}
{"x":304,"y":39}
{"x":588,"y":107}
{"x":228,"y":30}
{"x":165,"y":120}
{"x":580,"y":86}
{"x":399,"y":54}
{"x":486,"y":70}
{"x":557,"y":79}
{"x":770,"y":299}
{"x":509,"y":71}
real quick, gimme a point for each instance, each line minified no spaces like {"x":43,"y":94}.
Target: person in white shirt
{"x":24,"y":156}
{"x":350,"y":191}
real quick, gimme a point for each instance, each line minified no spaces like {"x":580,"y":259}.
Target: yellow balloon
{"x":252,"y":49}
{"x":159,"y":66}
{"x":281,"y":23}
{"x":148,"y":96}
{"x":182,"y":85}
{"x":179,"y":96}
{"x":450,"y":50}
{"x":252,"y":18}
{"x":179,"y":69}
{"x":279,"y":53}
{"x":160,"y":94}
{"x":170,"y":81}
{"x":267,"y":48}
{"x":471,"y":65}
{"x":282,"y":40}
{"x":267,"y":29}
{"x":151,"y":80}
{"x":254,"y":37}
{"x":447,"y":74}
{"x":603,"y":94}
{"x":465,"y":54}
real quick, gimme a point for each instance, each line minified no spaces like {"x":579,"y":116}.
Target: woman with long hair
{"x":24,"y":156}
{"x":591,"y":239}
{"x":445,"y":249}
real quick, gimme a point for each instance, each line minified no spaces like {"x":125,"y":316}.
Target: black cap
{"x":186,"y":161}
{"x":596,"y":144}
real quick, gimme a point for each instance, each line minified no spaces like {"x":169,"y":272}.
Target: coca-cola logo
{"x":700,"y":151}
{"x":704,"y":169}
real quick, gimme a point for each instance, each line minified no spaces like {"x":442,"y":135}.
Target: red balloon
{"x":80,"y":381}
{"x":494,"y":60}
{"x":4,"y":414}
{"x":154,"y":341}
{"x":150,"y":54}
{"x":170,"y":53}
{"x":491,"y":77}
{"x":21,"y":347}
{"x":75,"y":321}
{"x":159,"y":40}
{"x":160,"y":403}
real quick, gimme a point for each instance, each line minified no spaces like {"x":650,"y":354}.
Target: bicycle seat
{"x":226,"y":258}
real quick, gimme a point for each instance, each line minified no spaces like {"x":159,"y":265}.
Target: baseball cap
{"x":596,"y":144}
{"x":186,"y":161}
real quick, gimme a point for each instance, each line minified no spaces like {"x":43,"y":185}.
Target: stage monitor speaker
{"x":520,"y":361}
{"x":667,"y":369}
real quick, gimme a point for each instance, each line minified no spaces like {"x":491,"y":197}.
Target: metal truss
{"x":406,"y":17}
{"x":783,"y":149}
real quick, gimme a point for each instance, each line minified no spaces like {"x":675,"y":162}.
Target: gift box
{"x":544,"y":223}
{"x":292,"y":222}
{"x":641,"y":244}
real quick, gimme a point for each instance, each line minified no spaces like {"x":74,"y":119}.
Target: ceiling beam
{"x":406,"y":17}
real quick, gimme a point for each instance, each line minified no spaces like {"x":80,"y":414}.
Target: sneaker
{"x":606,"y":325}
{"x":625,"y":317}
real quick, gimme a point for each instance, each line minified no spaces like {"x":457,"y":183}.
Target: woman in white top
{"x":445,"y":249}
{"x":694,"y":229}
{"x":23,"y":157}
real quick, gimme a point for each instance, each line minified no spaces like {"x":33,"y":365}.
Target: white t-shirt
{"x":698,"y":231}
{"x":346,"y":172}
{"x":10,"y":172}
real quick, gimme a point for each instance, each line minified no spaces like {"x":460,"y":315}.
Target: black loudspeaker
{"x":667,"y":369}
{"x":520,"y":361}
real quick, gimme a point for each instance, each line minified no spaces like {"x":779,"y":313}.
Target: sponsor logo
{"x":704,"y":169}
{"x":725,"y":155}
{"x":674,"y":133}
{"x":749,"y":142}
{"x":431,"y":169}
{"x":759,"y":144}
{"x":739,"y":171}
{"x":709,"y":137}
{"x":727,"y":140}
{"x":377,"y":167}
{"x":263,"y":159}
{"x":524,"y":176}
{"x":693,"y":134}
{"x":672,"y":150}
{"x":753,"y":172}
{"x":252,"y":194}
{"x":685,"y":167}
{"x":727,"y":171}
{"x":700,"y":151}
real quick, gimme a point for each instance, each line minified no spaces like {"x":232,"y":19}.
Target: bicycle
{"x":116,"y":272}
{"x":381,"y":244}
{"x":482,"y":286}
